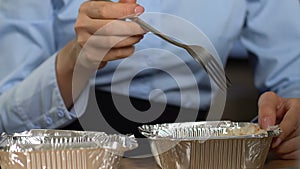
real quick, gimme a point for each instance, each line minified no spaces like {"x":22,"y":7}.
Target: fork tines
{"x":200,"y":54}
{"x":210,"y":65}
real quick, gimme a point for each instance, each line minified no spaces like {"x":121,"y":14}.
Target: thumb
{"x":127,"y":1}
{"x":138,"y":10}
{"x":267,"y":109}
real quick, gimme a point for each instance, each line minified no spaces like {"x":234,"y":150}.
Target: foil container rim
{"x":47,"y":139}
{"x":212,"y":130}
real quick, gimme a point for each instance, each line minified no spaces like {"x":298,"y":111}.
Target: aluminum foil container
{"x":209,"y":145}
{"x":62,"y":149}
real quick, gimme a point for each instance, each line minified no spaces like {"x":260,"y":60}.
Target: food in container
{"x":209,"y":145}
{"x":62,"y":149}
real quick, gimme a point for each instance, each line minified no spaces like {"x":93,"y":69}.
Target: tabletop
{"x":149,"y":163}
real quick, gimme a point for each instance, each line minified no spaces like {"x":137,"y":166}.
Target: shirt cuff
{"x":47,"y":108}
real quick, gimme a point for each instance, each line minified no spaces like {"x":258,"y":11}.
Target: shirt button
{"x":60,"y":113}
{"x":49,"y":120}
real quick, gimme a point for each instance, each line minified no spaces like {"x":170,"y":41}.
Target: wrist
{"x":71,"y":79}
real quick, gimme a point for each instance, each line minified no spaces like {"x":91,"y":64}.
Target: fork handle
{"x":149,"y":28}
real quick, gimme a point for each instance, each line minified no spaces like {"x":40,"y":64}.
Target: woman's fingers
{"x":87,"y":28}
{"x":113,"y":41}
{"x":288,"y":146}
{"x":119,"y":53}
{"x":292,"y":155}
{"x":267,"y":110}
{"x":110,"y":10}
{"x":127,"y":1}
{"x":103,"y":48}
{"x":102,"y":33}
{"x":92,"y":58}
{"x":290,"y":122}
{"x":109,"y":27}
{"x":285,"y":112}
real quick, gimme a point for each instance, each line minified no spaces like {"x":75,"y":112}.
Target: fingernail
{"x":138,"y":10}
{"x":277,"y":142}
{"x":266,"y":122}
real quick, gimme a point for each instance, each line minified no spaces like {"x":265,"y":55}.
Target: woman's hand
{"x":285,"y":112}
{"x":102,"y":32}
{"x":102,"y":35}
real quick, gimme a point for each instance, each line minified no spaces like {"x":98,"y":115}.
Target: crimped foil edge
{"x":203,"y":130}
{"x":43,"y":139}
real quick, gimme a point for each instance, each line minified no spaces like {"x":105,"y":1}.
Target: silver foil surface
{"x":61,"y":149}
{"x":209,"y":144}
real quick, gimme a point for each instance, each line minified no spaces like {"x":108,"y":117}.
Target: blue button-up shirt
{"x":32,"y":32}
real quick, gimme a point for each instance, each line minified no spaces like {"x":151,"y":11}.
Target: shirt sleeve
{"x":272,"y":35}
{"x":32,"y":35}
{"x":35,"y":102}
